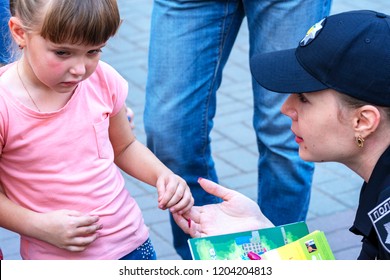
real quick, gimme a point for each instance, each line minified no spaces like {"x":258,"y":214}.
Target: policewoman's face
{"x":320,"y":131}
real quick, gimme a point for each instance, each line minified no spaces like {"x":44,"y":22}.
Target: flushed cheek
{"x":57,"y":70}
{"x":49,"y":75}
{"x":54,"y":77}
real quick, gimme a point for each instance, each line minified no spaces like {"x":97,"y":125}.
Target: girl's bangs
{"x":78,"y":23}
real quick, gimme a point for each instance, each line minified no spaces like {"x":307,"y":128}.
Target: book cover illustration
{"x":236,"y":246}
{"x":313,"y":246}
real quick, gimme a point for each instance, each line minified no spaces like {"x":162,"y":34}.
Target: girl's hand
{"x":173,"y":193}
{"x":69,"y":230}
{"x":236,"y":213}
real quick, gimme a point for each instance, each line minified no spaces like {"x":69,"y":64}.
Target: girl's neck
{"x":25,"y":88}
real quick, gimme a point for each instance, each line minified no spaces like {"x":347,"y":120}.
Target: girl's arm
{"x":138,"y":161}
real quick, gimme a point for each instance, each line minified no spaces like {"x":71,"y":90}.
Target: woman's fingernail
{"x":253,"y":256}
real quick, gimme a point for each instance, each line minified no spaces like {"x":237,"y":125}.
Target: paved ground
{"x":335,"y":188}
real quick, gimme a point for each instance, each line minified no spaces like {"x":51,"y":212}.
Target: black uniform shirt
{"x":372,"y":219}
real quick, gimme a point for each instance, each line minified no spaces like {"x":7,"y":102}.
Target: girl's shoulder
{"x":7,"y":78}
{"x":4,"y":73}
{"x":107,"y":71}
{"x":4,"y":80}
{"x":108,"y":85}
{"x":106,"y":77}
{"x":4,"y":68}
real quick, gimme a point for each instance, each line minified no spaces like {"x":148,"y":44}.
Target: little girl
{"x":64,"y":134}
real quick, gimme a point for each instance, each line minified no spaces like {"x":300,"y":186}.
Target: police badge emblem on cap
{"x":312,"y":33}
{"x":380,"y":218}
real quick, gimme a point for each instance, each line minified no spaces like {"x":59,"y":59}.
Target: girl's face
{"x":322,"y":130}
{"x":59,"y":67}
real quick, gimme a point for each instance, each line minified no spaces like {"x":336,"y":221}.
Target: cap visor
{"x":281,"y":72}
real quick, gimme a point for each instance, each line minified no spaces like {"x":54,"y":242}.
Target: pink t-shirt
{"x":64,"y":160}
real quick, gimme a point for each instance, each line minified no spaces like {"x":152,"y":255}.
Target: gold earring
{"x":359,"y":141}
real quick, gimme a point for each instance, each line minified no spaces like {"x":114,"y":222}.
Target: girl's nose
{"x":78,"y":69}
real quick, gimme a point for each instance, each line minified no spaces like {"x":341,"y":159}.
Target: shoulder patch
{"x":380,"y":218}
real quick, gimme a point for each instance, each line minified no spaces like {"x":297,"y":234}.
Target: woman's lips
{"x":298,"y":139}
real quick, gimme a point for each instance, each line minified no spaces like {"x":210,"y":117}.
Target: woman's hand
{"x":235,"y":214}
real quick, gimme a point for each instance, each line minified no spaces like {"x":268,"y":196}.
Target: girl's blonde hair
{"x":89,"y":22}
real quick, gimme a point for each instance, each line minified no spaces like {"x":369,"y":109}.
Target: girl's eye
{"x":61,"y":53}
{"x":95,"y":51}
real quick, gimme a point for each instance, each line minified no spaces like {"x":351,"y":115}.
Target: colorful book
{"x":313,"y":246}
{"x":237,"y":246}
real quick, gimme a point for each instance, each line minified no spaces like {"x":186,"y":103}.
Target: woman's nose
{"x":288,"y":108}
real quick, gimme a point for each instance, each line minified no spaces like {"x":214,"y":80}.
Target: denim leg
{"x":189,"y":45}
{"x":5,"y":38}
{"x":284,"y":179}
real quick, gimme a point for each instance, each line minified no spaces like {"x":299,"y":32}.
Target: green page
{"x":236,"y":246}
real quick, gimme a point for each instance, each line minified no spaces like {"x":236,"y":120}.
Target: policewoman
{"x":346,"y":55}
{"x":339,"y":77}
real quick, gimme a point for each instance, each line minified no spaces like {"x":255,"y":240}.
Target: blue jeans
{"x":189,"y":46}
{"x":5,"y":38}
